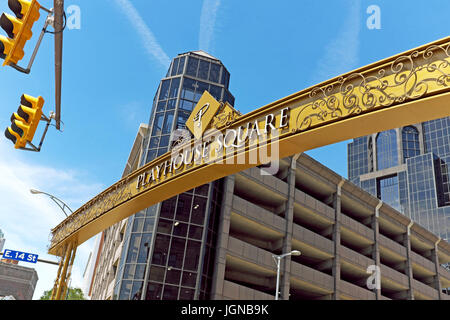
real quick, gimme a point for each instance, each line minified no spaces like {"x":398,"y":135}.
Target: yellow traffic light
{"x":25,"y":121}
{"x":18,"y":29}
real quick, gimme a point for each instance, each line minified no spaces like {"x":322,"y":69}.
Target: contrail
{"x":149,"y":41}
{"x":207,"y":23}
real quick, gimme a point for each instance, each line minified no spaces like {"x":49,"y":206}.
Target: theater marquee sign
{"x":408,"y":88}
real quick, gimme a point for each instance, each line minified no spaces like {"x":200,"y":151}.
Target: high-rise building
{"x":408,"y":169}
{"x":217,"y":241}
{"x":144,"y":250}
{"x":2,"y":240}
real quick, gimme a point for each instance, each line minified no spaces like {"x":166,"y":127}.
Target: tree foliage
{"x":74,"y":294}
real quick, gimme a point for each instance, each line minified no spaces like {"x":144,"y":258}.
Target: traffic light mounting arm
{"x":32,"y":147}
{"x":48,"y":21}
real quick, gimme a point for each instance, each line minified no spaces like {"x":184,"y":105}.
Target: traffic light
{"x":25,"y":121}
{"x":18,"y":29}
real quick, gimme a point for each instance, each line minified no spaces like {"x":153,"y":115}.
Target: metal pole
{"x":61,"y":204}
{"x":58,"y":25}
{"x":278,"y":262}
{"x":33,"y":56}
{"x":41,"y":260}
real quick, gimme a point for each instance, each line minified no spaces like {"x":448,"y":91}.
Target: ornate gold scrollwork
{"x":408,"y":77}
{"x":413,"y":75}
{"x":225,"y":117}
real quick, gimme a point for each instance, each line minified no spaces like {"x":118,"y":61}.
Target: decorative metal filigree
{"x":408,"y":77}
{"x":179,"y":138}
{"x":104,"y":202}
{"x":414,"y":75}
{"x":225,"y":117}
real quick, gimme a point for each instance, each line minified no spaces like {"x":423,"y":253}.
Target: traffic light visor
{"x":5,"y":46}
{"x":19,"y":7}
{"x":9,"y":134}
{"x":6,"y":22}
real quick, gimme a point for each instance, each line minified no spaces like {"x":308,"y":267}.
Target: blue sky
{"x":113,"y":64}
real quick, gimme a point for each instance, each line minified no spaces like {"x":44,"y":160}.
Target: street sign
{"x":20,"y":256}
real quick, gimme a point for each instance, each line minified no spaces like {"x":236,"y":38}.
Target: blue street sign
{"x":20,"y":256}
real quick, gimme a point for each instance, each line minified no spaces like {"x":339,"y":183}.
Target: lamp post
{"x":59,"y":202}
{"x":277,"y":259}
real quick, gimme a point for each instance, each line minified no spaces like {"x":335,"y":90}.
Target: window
{"x":201,"y":88}
{"x":188,"y":89}
{"x":192,"y":67}
{"x":181,"y":65}
{"x":388,"y":191}
{"x":216,"y":92}
{"x":182,"y":119}
{"x":161,"y":107}
{"x":153,"y":291}
{"x":158,"y":124}
{"x":189,"y":279}
{"x":154,"y":143}
{"x":370,"y":154}
{"x":170,"y":293}
{"x":151,"y":155}
{"x":175,"y":67}
{"x":172,"y":104}
{"x":164,"y":90}
{"x":186,"y":105}
{"x":204,"y":70}
{"x":133,"y":248}
{"x":410,"y":141}
{"x":214,"y":72}
{"x":176,"y":253}
{"x":168,"y":123}
{"x":387,"y":153}
{"x":193,"y":252}
{"x":225,"y":78}
{"x":174,"y":88}
{"x":180,"y":229}
{"x":168,"y":208}
{"x":145,"y":248}
{"x":184,"y":207}
{"x":160,"y":250}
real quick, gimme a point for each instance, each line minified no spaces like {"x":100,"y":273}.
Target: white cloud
{"x":149,"y":40}
{"x":341,"y":54}
{"x":27,"y":219}
{"x":207,"y":23}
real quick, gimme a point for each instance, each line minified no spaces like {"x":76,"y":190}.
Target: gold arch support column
{"x":64,"y":272}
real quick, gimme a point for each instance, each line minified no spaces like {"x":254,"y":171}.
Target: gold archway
{"x":407,"y":88}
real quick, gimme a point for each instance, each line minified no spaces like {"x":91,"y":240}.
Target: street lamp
{"x":59,"y":202}
{"x":277,"y":259}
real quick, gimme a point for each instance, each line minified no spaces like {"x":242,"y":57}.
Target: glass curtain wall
{"x":168,"y":247}
{"x":418,"y":182}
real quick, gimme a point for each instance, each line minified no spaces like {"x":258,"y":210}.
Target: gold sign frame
{"x":407,"y":88}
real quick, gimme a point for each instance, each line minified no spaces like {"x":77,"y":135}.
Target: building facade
{"x":17,"y":281}
{"x":2,"y":241}
{"x":217,"y":241}
{"x":345,"y":236}
{"x":408,"y":169}
{"x":189,"y":76}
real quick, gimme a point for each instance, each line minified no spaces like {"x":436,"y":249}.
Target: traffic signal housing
{"x":18,"y":29}
{"x":25,"y":121}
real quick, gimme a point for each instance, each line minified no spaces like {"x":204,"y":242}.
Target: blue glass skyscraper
{"x":168,"y":248}
{"x":408,"y":168}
